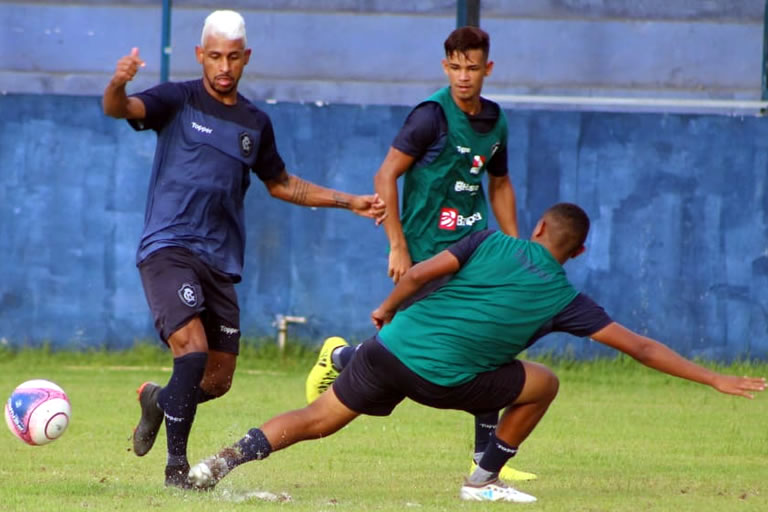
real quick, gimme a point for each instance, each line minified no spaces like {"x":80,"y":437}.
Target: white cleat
{"x":206,"y":474}
{"x":494,"y":490}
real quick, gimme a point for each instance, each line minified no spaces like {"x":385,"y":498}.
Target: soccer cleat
{"x":145,"y":433}
{"x":509,"y":473}
{"x":493,"y":490}
{"x":323,"y":373}
{"x":206,"y":474}
{"x":176,"y":476}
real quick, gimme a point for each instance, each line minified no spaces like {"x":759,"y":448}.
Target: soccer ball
{"x":37,"y":412}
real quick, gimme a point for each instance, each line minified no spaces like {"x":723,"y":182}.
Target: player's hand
{"x":380,"y":317}
{"x":399,"y":263}
{"x":739,"y":386}
{"x":371,"y":206}
{"x":127,"y":67}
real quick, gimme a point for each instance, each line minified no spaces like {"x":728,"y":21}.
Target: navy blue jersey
{"x":201,"y":171}
{"x":424,"y":134}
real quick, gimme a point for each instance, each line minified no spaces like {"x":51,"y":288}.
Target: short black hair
{"x":569,"y":226}
{"x":464,"y":39}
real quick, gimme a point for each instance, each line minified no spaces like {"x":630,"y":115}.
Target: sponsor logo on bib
{"x":448,"y":218}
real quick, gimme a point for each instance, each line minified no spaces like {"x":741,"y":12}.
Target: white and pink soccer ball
{"x":37,"y":412}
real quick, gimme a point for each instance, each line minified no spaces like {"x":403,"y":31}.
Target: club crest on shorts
{"x":188,"y":295}
{"x":246,"y":144}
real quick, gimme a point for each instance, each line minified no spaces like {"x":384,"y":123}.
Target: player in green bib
{"x":457,"y":348}
{"x":486,"y":313}
{"x":445,"y":148}
{"x":443,"y":201}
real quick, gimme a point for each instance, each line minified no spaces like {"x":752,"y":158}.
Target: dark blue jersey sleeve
{"x":425,"y":131}
{"x":161,"y":102}
{"x":464,"y":248}
{"x":269,"y":164}
{"x":425,"y":128}
{"x":582,"y":317}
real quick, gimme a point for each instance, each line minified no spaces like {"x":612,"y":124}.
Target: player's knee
{"x":182,"y":344}
{"x":218,"y":390}
{"x":542,"y":383}
{"x":551,"y":386}
{"x":218,"y":386}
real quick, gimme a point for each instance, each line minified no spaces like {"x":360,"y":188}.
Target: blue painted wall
{"x":388,"y":53}
{"x":678,"y":250}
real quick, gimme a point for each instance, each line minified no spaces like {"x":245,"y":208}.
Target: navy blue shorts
{"x":375,"y":381}
{"x":180,"y":286}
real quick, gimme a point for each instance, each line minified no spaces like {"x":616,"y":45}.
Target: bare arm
{"x":295,"y":190}
{"x":503,"y":202}
{"x":395,"y":164}
{"x":660,"y":357}
{"x":114,"y":101}
{"x":415,"y":278}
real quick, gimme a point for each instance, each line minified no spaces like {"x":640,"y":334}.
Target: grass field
{"x":619,"y":437}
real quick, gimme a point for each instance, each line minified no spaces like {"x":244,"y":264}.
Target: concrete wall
{"x":381,"y":52}
{"x":678,"y":250}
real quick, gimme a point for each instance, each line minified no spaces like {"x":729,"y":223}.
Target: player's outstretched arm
{"x":501,"y":194}
{"x":441,"y":264}
{"x":395,"y":164}
{"x":114,"y":101}
{"x":295,"y":190}
{"x":660,"y":357}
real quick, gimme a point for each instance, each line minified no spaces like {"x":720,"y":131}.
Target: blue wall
{"x":381,"y":52}
{"x":678,"y":250}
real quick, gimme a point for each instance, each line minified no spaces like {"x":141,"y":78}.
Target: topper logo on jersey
{"x":246,"y":144}
{"x":201,"y":128}
{"x":448,"y":217}
{"x":187,"y":295}
{"x":477,"y":164}
{"x":463,"y":150}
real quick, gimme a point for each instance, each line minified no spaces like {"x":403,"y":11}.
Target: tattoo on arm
{"x":300,"y":191}
{"x":340,"y":201}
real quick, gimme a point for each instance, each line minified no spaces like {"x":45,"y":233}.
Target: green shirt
{"x":444,"y":201}
{"x":484,"y":316}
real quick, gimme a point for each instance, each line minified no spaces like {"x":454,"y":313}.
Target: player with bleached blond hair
{"x":209,"y":139}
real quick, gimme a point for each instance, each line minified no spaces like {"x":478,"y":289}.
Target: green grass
{"x":618,"y":438}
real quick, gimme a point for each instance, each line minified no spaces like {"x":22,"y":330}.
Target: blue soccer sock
{"x":253,"y":446}
{"x":202,"y":396}
{"x":495,"y":456}
{"x":485,"y":426}
{"x":178,"y":399}
{"x":341,"y":356}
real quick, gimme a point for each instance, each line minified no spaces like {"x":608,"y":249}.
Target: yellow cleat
{"x":323,"y":373}
{"x":509,"y":473}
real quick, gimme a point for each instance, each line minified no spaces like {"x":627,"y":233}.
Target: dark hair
{"x":569,"y":226}
{"x":465,"y":39}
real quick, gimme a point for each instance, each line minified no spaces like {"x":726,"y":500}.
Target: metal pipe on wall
{"x":467,"y":13}
{"x":165,"y":46}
